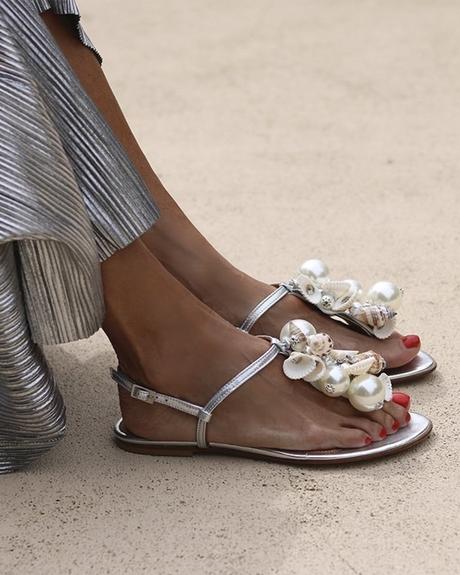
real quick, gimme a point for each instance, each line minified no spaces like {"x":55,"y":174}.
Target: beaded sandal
{"x":373,"y":313}
{"x":311,"y":358}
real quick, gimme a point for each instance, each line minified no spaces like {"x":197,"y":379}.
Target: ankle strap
{"x":202,"y":413}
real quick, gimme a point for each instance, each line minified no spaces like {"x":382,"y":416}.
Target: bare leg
{"x":185,"y":252}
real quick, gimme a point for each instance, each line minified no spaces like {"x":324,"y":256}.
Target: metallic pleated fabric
{"x":69,"y":198}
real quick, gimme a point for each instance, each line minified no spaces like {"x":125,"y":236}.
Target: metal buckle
{"x":142,"y":394}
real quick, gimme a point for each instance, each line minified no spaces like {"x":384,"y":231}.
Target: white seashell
{"x":359,"y":367}
{"x":342,"y":355}
{"x":386,"y":330}
{"x":388,"y":387}
{"x":375,"y":316}
{"x":296,"y":333}
{"x":320,"y":343}
{"x":308,"y":288}
{"x":298,"y":365}
{"x":317,"y":373}
{"x":344,"y":293}
{"x":378,"y":364}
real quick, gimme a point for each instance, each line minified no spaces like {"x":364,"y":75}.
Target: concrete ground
{"x":287,"y":130}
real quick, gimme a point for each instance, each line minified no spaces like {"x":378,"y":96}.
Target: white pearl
{"x":335,"y":382}
{"x":295,"y":328}
{"x":315,"y":269}
{"x":366,"y":392}
{"x":385,"y":293}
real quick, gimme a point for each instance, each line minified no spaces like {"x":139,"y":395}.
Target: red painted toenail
{"x":401,"y":399}
{"x":408,"y":418}
{"x":368,"y":440}
{"x":411,"y":341}
{"x":395,"y":425}
{"x":383,"y":433}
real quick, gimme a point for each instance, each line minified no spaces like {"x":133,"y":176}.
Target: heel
{"x":160,"y":450}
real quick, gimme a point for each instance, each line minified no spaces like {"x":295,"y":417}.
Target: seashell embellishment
{"x":373,"y":315}
{"x":320,"y":343}
{"x":298,"y":365}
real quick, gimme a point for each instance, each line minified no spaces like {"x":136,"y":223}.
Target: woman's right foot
{"x":168,"y":340}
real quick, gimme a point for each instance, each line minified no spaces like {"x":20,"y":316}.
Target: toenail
{"x":408,"y":418}
{"x":395,"y":425}
{"x":383,"y":433}
{"x":401,"y":399}
{"x":411,"y":341}
{"x":368,"y":440}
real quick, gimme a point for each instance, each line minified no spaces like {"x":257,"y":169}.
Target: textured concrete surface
{"x":287,"y":130}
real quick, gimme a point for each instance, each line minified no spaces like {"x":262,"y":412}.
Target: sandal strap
{"x":264,"y":305}
{"x":149,"y":396}
{"x":202,"y":413}
{"x":231,"y":386}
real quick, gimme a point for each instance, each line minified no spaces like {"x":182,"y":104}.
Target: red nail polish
{"x":368,"y":440}
{"x":383,"y":433}
{"x":395,"y":425}
{"x":411,"y":341}
{"x":408,"y":418}
{"x":401,"y":399}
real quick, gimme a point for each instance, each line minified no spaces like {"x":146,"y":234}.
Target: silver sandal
{"x":309,"y":357}
{"x":372,"y":313}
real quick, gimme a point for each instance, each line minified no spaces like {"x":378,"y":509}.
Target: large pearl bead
{"x":366,"y":392}
{"x":315,"y":269}
{"x":297,"y":331}
{"x":385,"y":293}
{"x":335,"y":382}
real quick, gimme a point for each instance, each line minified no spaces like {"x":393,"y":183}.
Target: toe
{"x":400,"y":350}
{"x":397,"y":412}
{"x":384,"y":418}
{"x":353,"y":438}
{"x":375,"y":430}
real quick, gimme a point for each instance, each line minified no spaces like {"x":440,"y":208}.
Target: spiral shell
{"x":359,"y":367}
{"x":375,"y":316}
{"x":298,"y":365}
{"x":320,"y":343}
{"x":378,"y":364}
{"x":343,"y":355}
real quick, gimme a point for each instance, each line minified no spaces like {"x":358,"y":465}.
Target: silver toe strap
{"x":202,"y":413}
{"x":263,"y":306}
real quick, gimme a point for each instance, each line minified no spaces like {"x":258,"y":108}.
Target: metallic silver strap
{"x":150,"y":396}
{"x":232,"y":386}
{"x":264,"y":305}
{"x":203,"y":414}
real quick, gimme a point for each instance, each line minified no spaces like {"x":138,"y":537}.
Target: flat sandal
{"x":309,"y":358}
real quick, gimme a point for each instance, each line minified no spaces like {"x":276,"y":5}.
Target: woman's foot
{"x":233,"y":294}
{"x":168,"y":340}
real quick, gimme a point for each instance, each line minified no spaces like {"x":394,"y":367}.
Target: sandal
{"x":373,"y":313}
{"x":309,"y":357}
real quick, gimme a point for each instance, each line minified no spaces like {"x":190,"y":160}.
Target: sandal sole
{"x":417,"y":431}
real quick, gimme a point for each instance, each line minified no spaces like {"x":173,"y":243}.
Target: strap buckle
{"x":142,"y":394}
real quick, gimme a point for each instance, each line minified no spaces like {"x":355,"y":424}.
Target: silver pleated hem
{"x":69,"y":198}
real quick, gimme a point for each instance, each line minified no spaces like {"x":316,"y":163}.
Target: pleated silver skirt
{"x":69,"y":198}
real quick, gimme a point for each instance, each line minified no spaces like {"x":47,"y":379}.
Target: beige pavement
{"x":287,"y":130}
